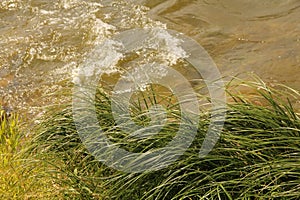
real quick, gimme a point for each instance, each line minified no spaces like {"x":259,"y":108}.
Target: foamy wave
{"x":102,"y":59}
{"x":51,"y":38}
{"x":105,"y":56}
{"x":169,"y":46}
{"x":11,"y":4}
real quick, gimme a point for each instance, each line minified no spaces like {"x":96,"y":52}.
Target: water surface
{"x":42,"y":42}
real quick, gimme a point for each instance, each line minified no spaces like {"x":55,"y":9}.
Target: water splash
{"x":42,"y":43}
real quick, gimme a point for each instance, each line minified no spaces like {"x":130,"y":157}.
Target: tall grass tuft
{"x":257,"y":156}
{"x":21,"y":176}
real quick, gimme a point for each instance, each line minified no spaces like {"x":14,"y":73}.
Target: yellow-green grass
{"x":21,"y":175}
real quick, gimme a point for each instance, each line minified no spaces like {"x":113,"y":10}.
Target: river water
{"x":42,"y":41}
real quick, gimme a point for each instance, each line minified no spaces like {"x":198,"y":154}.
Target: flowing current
{"x":43,"y":42}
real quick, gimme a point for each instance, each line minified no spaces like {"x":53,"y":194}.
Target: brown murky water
{"x":43,"y":41}
{"x":242,"y":36}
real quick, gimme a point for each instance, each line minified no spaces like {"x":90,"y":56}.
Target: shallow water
{"x":42,"y":42}
{"x":255,"y":36}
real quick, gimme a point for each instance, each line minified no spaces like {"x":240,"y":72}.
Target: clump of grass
{"x":257,"y":156}
{"x":20,"y":175}
{"x":73,"y":169}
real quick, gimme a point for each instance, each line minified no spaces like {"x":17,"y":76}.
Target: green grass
{"x":21,"y":176}
{"x":257,"y":156}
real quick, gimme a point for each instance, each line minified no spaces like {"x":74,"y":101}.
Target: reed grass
{"x":257,"y":156}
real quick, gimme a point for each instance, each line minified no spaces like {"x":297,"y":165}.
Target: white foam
{"x":169,"y":46}
{"x":102,"y":30}
{"x":102,"y":59}
{"x":105,"y":56}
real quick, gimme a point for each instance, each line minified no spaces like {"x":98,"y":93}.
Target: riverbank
{"x":257,"y":156}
